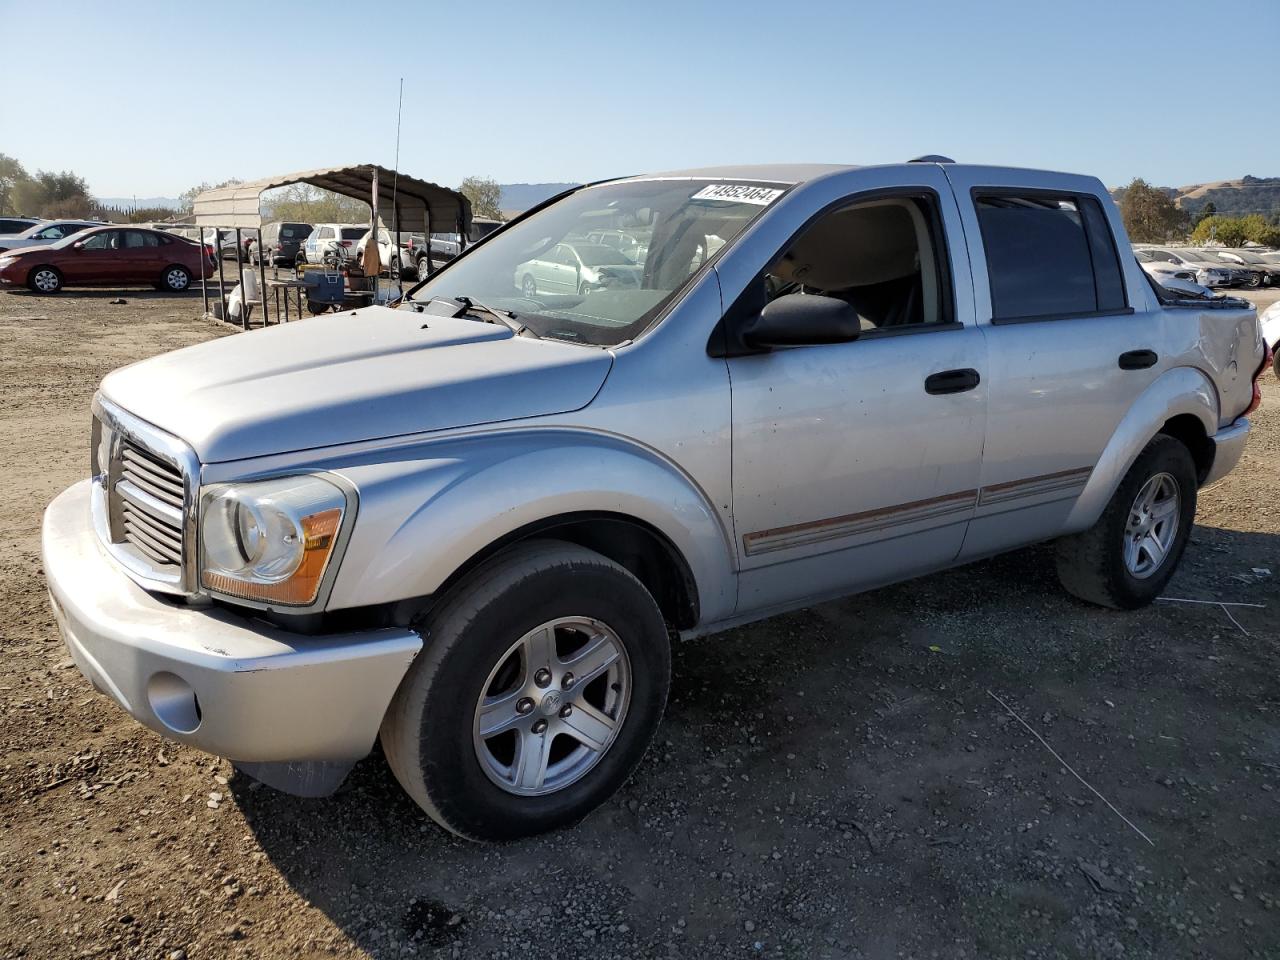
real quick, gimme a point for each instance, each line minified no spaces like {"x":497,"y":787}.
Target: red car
{"x":108,"y":257}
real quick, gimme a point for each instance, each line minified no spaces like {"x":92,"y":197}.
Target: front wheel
{"x":528,"y":287}
{"x":542,"y":681}
{"x":1126,"y":558}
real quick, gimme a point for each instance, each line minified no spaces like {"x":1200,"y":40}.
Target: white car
{"x":1171,"y":276}
{"x":43,"y":234}
{"x":1269,"y":321}
{"x":1208,"y":272}
{"x":576,"y":268}
{"x":333,"y":242}
{"x":390,"y":261}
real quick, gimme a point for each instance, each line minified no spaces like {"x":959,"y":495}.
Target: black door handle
{"x":1138,"y":359}
{"x":952,"y":381}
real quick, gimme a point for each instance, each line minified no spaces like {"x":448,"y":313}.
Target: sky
{"x":149,"y":98}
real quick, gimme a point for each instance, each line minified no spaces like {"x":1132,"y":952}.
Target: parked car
{"x":636,"y":248}
{"x":12,"y":225}
{"x":283,"y":242}
{"x":883,"y":372}
{"x":1210,"y":271}
{"x":1242,"y":275}
{"x":332,"y":242}
{"x":577,"y":267}
{"x":445,"y":246}
{"x":1172,"y":276}
{"x":107,"y":256}
{"x":43,"y":234}
{"x":1269,"y":322}
{"x":1267,"y":272}
{"x":388,"y":260}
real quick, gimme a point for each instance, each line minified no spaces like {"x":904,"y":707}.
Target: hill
{"x":1233,"y":198}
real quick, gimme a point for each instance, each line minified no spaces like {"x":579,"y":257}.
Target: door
{"x":856,"y":464}
{"x":1072,"y":341}
{"x":92,"y":260}
{"x":139,"y":260}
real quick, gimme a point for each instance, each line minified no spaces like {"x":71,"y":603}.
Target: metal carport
{"x":417,"y":206}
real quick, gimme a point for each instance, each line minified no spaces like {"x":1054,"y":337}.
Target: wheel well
{"x":630,"y":543}
{"x":1188,"y":429}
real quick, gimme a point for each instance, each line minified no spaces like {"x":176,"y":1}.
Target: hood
{"x":340,"y":378}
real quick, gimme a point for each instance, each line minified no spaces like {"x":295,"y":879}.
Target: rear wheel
{"x":45,"y":279}
{"x":176,"y":279}
{"x":542,"y":681}
{"x":1126,"y":558}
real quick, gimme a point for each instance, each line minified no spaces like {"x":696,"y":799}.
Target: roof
{"x":417,"y":200}
{"x":768,"y":172}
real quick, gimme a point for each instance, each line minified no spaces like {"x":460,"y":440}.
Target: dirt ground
{"x":840,"y":782}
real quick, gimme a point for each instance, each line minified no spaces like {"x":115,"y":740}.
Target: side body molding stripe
{"x":1066,"y":483}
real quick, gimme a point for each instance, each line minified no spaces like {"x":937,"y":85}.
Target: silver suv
{"x":473,"y":524}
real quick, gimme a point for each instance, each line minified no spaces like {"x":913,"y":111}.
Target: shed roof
{"x":417,"y":200}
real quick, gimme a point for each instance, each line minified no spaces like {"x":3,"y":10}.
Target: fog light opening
{"x":173,"y":702}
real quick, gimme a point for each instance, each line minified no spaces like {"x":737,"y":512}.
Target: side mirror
{"x":803,"y":318}
{"x":78,"y":245}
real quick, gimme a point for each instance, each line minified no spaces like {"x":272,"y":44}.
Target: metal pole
{"x":399,"y":254}
{"x":262,"y":279}
{"x":222,"y":283}
{"x":204,"y":269}
{"x":244,"y":293}
{"x":426,"y":220}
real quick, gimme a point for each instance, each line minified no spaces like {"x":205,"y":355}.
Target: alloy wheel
{"x":46,"y":281}
{"x":552,"y":706}
{"x":1152,"y":528}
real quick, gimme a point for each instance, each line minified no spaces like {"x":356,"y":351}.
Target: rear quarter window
{"x":1048,"y":256}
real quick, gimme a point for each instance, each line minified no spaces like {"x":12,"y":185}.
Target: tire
{"x":476,"y":647}
{"x":529,"y":287}
{"x":584,"y":290}
{"x":1105,"y":564}
{"x":176,"y":279}
{"x":395,"y":268}
{"x":45,"y":279}
{"x":423,"y":268}
{"x":1275,"y":360}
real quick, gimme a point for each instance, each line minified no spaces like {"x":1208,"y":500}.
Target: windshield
{"x":538,"y":268}
{"x":1247,"y":257}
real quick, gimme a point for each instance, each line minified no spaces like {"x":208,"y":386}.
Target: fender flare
{"x":423,"y":513}
{"x":1176,"y":392}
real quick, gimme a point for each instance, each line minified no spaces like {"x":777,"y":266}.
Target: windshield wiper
{"x":507,"y":318}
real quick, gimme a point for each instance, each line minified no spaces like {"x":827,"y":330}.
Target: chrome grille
{"x":146,"y":482}
{"x":150,"y":499}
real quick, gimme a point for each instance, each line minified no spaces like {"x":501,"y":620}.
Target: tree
{"x":61,"y":186}
{"x":304,"y":203}
{"x":1228,"y":231}
{"x":11,"y":174}
{"x":1150,"y":216}
{"x":485,"y":196}
{"x":1208,"y":210}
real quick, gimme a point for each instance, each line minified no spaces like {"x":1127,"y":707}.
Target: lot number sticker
{"x":738,"y":193}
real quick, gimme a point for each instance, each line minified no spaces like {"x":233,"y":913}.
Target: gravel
{"x":836,"y":782}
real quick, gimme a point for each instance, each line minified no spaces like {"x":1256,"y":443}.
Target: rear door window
{"x":1048,"y":256}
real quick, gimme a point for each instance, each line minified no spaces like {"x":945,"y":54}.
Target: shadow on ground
{"x":839,"y":782}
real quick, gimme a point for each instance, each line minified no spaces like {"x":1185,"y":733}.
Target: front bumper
{"x":204,"y":676}
{"x":1228,"y":446}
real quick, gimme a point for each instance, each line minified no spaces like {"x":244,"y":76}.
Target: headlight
{"x":269,"y":540}
{"x":6,"y":261}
